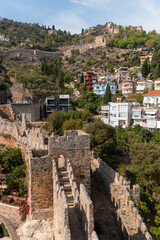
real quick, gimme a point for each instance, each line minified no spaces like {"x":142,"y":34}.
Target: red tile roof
{"x":153,"y":93}
{"x":158,"y":79}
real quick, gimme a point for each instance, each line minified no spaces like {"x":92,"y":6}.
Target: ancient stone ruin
{"x":59,"y":185}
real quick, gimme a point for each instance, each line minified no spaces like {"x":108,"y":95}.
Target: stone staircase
{"x":64,"y":181}
{"x":77,"y":232}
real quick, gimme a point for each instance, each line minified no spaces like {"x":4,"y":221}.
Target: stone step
{"x":63,"y":174}
{"x":70,"y":199}
{"x":67,"y":189}
{"x":62,"y":180}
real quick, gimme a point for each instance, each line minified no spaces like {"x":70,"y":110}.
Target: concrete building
{"x":100,"y":88}
{"x":152,"y":99}
{"x":89,"y":79}
{"x":117,"y":114}
{"x":121,"y":74}
{"x":144,"y":57}
{"x":128,"y":87}
{"x":142,"y":84}
{"x":146,"y":117}
{"x":157,"y":84}
{"x":61,"y":103}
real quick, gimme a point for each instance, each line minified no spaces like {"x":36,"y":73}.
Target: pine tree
{"x":107,"y":96}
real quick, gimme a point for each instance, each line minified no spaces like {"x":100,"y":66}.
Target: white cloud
{"x":68,"y":21}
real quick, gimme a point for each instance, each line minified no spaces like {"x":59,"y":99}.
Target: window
{"x":122,"y":115}
{"x":114,"y":108}
{"x":122,"y":108}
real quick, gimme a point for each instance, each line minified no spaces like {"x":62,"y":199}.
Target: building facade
{"x":128,"y":87}
{"x":62,"y":103}
{"x":142,"y":84}
{"x":146,"y":117}
{"x":89,"y":79}
{"x":152,"y":99}
{"x":117,"y":114}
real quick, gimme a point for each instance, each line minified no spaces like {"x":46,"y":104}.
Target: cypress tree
{"x":107,"y":95}
{"x":145,"y":69}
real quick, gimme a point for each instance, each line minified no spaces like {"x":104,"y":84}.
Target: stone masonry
{"x":58,"y":166}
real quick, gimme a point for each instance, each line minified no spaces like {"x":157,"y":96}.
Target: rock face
{"x":35,"y":230}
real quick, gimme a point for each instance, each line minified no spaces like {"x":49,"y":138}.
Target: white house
{"x":142,"y":84}
{"x":117,"y":114}
{"x":152,"y":99}
{"x":146,"y":117}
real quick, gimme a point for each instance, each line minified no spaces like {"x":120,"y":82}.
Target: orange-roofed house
{"x":152,"y":99}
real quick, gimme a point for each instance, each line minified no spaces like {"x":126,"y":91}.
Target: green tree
{"x":107,"y":96}
{"x":102,"y":139}
{"x":145,"y":68}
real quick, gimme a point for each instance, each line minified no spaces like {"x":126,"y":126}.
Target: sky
{"x":73,"y":15}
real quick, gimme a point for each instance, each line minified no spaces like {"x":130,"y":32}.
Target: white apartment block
{"x":117,"y":114}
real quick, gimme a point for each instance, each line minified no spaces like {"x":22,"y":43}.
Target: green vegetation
{"x":135,"y":39}
{"x":107,"y":95}
{"x":14,"y":168}
{"x":102,"y":138}
{"x":89,"y":101}
{"x":59,"y":121}
{"x":44,"y":79}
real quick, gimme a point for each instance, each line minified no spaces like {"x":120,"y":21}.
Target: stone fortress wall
{"x":46,"y":195}
{"x":120,"y":192}
{"x":36,"y":55}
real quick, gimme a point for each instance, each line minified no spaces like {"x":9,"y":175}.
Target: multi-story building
{"x":152,"y":99}
{"x":157,"y":84}
{"x":117,"y":114}
{"x":142,"y":84}
{"x":61,"y":103}
{"x":89,"y":79}
{"x":109,"y":76}
{"x":144,"y":57}
{"x":128,"y":87}
{"x":100,"y":88}
{"x":121,"y":74}
{"x":146,"y":117}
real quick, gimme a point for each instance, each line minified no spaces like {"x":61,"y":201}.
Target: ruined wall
{"x":127,"y":215}
{"x":25,"y":136}
{"x":86,"y":208}
{"x":40,"y":186}
{"x":21,"y":54}
{"x":75,"y":146}
{"x":61,"y":212}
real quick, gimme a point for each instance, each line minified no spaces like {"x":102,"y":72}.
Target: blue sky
{"x":73,"y":15}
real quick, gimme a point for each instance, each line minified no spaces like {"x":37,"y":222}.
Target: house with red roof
{"x":152,"y":99}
